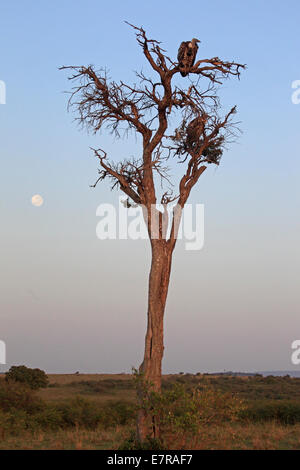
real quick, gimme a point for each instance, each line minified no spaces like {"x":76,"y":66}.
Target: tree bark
{"x":147,"y":424}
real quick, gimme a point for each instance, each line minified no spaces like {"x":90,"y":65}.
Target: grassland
{"x":270,"y":418}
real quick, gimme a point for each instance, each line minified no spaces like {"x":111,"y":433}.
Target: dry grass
{"x":268,"y":436}
{"x":63,"y":440}
{"x":63,"y":379}
{"x":56,"y":394}
{"x":63,"y":387}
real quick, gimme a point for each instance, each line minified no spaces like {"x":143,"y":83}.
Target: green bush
{"x":48,"y":418}
{"x":13,"y":422}
{"x":21,"y":409}
{"x":79,"y":412}
{"x":17,"y":396}
{"x":183,"y":410}
{"x":118,"y":412}
{"x":34,"y":378}
{"x":16,"y":421}
{"x":192,"y":409}
{"x":89,"y":414}
{"x":284,"y":412}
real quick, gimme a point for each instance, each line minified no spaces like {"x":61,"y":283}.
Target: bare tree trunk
{"x":148,"y":425}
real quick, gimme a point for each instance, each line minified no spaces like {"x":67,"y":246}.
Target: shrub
{"x":184,"y":411}
{"x":16,"y":396}
{"x":118,"y":412}
{"x":34,"y":378}
{"x":21,"y":409}
{"x":13,"y":423}
{"x":79,"y":412}
{"x":89,"y":414}
{"x":284,"y":412}
{"x":188,"y":410}
{"x":16,"y":421}
{"x":48,"y":418}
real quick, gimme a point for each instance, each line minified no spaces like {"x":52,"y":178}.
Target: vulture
{"x":195,"y":129}
{"x":186,"y":55}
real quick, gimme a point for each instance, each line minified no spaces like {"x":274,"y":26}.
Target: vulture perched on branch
{"x":195,"y":129}
{"x":186,"y":55}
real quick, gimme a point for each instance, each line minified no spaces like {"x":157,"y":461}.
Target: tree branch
{"x":146,"y":108}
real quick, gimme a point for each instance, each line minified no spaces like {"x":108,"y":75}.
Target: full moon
{"x":37,"y":200}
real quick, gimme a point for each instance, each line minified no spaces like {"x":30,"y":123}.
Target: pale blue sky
{"x":69,"y":301}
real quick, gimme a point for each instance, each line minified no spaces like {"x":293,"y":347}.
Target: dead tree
{"x":197,"y":141}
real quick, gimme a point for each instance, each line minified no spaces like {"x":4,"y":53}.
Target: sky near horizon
{"x":69,"y":301}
